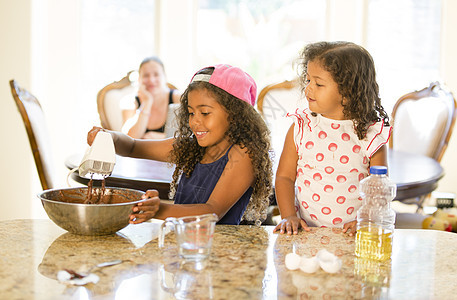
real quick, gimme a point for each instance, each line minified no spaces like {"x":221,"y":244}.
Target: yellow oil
{"x":373,"y":243}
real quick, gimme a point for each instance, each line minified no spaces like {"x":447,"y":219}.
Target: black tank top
{"x":170,"y":101}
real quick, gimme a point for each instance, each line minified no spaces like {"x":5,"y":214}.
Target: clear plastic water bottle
{"x":375,"y":218}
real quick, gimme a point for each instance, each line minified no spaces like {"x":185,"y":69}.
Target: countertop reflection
{"x":246,"y":262}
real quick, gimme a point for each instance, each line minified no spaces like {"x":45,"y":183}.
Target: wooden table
{"x":415,"y":175}
{"x":246,"y":262}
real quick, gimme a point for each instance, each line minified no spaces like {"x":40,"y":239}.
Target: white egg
{"x":331,"y":266}
{"x":292,"y":261}
{"x":329,"y":262}
{"x":309,"y":264}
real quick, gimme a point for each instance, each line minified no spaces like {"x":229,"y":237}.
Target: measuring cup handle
{"x":163,"y":231}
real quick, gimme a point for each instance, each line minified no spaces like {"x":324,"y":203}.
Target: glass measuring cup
{"x":194,"y":235}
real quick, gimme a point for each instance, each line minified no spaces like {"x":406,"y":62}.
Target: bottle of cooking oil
{"x":375,"y":218}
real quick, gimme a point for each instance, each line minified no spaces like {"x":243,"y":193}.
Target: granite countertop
{"x":246,"y":262}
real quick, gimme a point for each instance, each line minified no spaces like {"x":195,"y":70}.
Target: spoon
{"x":73,"y":277}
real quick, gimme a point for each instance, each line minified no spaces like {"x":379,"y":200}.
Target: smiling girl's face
{"x":322,"y":92}
{"x":208,"y":120}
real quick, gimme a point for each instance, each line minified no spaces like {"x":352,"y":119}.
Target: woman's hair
{"x":246,"y":129}
{"x":352,"y":68}
{"x":152,"y":58}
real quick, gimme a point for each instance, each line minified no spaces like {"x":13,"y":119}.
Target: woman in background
{"x":145,"y":116}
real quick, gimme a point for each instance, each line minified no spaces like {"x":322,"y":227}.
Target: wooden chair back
{"x":274,"y":102}
{"x":423,"y":121}
{"x":35,"y":124}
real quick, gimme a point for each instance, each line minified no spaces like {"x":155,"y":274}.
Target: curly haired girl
{"x":221,"y":152}
{"x":331,"y":144}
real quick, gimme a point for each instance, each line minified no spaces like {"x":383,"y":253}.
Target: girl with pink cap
{"x":221,"y":152}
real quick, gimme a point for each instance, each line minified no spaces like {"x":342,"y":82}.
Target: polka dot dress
{"x":331,"y":162}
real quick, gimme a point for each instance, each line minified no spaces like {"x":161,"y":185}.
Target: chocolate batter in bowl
{"x":106,"y":213}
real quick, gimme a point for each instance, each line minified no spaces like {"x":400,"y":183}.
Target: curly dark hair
{"x":246,"y":128}
{"x":353,"y":69}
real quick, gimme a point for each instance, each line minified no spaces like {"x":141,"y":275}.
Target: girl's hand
{"x":92,"y":133}
{"x":350,"y":228}
{"x":291,"y":225}
{"x":144,"y":211}
{"x":145,"y":96}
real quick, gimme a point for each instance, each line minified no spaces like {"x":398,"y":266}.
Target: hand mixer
{"x":100,"y":157}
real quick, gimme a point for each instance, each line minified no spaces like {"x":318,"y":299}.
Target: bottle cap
{"x":378,"y":170}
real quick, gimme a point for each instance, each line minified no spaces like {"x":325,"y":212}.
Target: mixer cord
{"x":69,"y":173}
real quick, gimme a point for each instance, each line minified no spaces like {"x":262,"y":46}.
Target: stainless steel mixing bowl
{"x":66,"y":208}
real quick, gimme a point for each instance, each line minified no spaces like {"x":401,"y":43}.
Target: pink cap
{"x":233,"y":80}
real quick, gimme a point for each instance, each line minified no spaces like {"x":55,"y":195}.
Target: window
{"x":404,"y":40}
{"x":261,"y":37}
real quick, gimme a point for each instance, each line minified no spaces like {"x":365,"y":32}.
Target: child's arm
{"x":235,"y":180}
{"x":138,"y":148}
{"x":379,"y":158}
{"x":285,"y":187}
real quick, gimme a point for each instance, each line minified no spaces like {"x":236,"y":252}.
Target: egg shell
{"x":331,"y":266}
{"x":292,"y":261}
{"x":329,"y":262}
{"x":309,"y":264}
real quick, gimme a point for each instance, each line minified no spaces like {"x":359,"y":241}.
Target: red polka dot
{"x":356,"y":149}
{"x":350,"y":210}
{"x":304,"y":204}
{"x":317,"y":176}
{"x":316,"y":197}
{"x":319,"y":157}
{"x":352,"y":189}
{"x":341,"y":179}
{"x":309,"y":145}
{"x":335,"y":126}
{"x":313,"y":217}
{"x":361,"y":176}
{"x":326,"y":210}
{"x":328,"y":188}
{"x":325,"y":240}
{"x":322,"y":135}
{"x":344,"y":159}
{"x":340,"y":199}
{"x":337,"y":221}
{"x":307,"y":183}
{"x":345,"y":137}
{"x":332,"y":147}
{"x":329,"y":170}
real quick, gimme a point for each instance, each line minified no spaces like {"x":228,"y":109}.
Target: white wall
{"x":449,"y":73}
{"x":40,"y":50}
{"x":17,"y":169}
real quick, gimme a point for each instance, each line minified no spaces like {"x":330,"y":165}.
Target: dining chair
{"x":110,"y":96}
{"x":35,"y":124}
{"x":273,"y":103}
{"x":423,"y":122}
